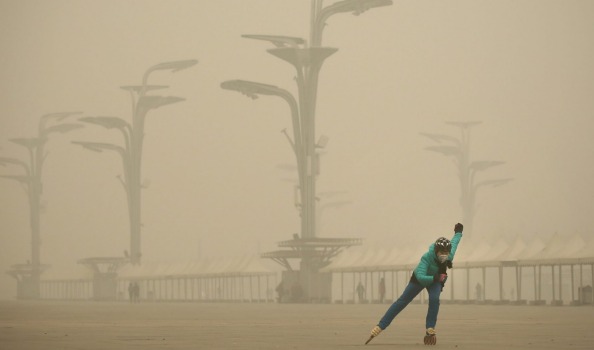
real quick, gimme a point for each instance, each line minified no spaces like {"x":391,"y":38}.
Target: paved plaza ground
{"x":113,"y":325}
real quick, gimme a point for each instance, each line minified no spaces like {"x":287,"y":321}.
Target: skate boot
{"x":374,"y":333}
{"x":430,"y":337}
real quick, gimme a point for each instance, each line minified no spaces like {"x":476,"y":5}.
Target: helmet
{"x":443,"y":244}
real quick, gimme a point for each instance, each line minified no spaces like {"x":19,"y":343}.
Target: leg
{"x":410,"y":292}
{"x":434,"y":292}
{"x":432,"y":311}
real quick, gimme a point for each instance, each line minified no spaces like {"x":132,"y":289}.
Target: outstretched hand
{"x":458,"y":228}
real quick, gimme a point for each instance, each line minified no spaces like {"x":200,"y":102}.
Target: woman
{"x":430,"y":274}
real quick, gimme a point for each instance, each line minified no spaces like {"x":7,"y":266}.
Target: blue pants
{"x":410,"y":292}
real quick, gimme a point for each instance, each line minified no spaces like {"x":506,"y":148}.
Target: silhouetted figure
{"x":479,"y":291}
{"x":382,"y":290}
{"x":361,"y":292}
{"x":131,"y":292}
{"x":280,"y":290}
{"x":136,"y":292}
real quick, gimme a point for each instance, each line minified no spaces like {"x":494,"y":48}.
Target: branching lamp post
{"x":131,"y":150}
{"x":307,"y":61}
{"x":31,"y":180}
{"x":459,"y":149}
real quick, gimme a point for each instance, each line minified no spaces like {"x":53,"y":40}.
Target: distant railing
{"x":245,"y":287}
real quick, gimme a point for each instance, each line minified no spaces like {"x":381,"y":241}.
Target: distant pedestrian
{"x":360,"y":292}
{"x":479,"y":291}
{"x":280,"y":290}
{"x":136,"y":292}
{"x":131,"y":292}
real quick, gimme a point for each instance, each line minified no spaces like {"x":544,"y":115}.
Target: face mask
{"x":442,"y":258}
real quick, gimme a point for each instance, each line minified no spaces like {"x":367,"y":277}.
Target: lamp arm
{"x":284,"y":131}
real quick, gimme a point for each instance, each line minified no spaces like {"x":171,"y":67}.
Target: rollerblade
{"x":374,"y":333}
{"x":430,"y":337}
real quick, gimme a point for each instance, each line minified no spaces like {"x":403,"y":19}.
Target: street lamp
{"x":307,"y":61}
{"x":133,"y":135}
{"x":459,"y":149}
{"x":31,"y":180}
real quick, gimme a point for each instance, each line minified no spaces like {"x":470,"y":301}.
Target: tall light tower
{"x":459,"y":149}
{"x":131,"y":148}
{"x":28,"y":275}
{"x":307,"y":59}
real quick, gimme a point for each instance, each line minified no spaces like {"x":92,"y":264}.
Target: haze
{"x":214,"y":165}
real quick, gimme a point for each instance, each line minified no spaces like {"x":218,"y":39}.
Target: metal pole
{"x":572,"y":285}
{"x":534,"y":273}
{"x":342,"y":286}
{"x":393,"y":283}
{"x":467,"y":283}
{"x":366,"y":295}
{"x":560,"y":283}
{"x":581,"y":282}
{"x":372,"y":285}
{"x":518,"y":283}
{"x":354,"y":289}
{"x":500,"y":283}
{"x":553,"y":280}
{"x":241,"y":289}
{"x":465,"y":184}
{"x":539,"y":282}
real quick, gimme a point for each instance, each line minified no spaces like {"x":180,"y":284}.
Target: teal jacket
{"x":428,"y":267}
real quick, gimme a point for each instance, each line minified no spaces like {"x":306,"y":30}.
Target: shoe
{"x":430,"y":337}
{"x":374,"y":333}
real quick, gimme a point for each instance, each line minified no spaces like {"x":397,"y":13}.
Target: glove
{"x":458,"y":228}
{"x":440,"y":277}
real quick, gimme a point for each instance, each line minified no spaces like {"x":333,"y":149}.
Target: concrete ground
{"x":105,"y":325}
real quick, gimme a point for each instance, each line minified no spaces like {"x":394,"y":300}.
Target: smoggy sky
{"x":215,"y":164}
